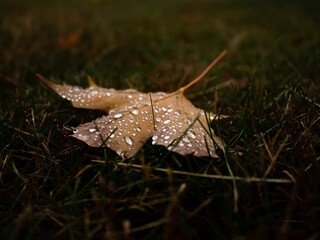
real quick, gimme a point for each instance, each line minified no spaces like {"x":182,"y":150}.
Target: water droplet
{"x":135,"y":112}
{"x":138,"y":129}
{"x":169,"y":110}
{"x":170,"y":147}
{"x":191,"y":134}
{"x":92,"y":130}
{"x":128,"y":140}
{"x":164,"y":109}
{"x":111,"y":136}
{"x":75,"y":130}
{"x":158,"y":119}
{"x":129,"y":96}
{"x":178,"y":112}
{"x":189,"y":145}
{"x":119,"y":152}
{"x":185,"y":139}
{"x":166,"y":121}
{"x":154,"y":137}
{"x":189,"y":120}
{"x":108,"y":94}
{"x":118,"y":115}
{"x":181,"y":144}
{"x":166,"y":137}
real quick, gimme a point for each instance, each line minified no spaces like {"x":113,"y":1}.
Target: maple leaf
{"x":170,"y":119}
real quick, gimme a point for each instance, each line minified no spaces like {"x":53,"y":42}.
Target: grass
{"x":56,"y":187}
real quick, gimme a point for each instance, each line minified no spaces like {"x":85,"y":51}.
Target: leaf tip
{"x":46,"y":81}
{"x":91,"y":82}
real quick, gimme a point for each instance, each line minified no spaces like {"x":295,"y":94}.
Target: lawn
{"x":266,"y":183}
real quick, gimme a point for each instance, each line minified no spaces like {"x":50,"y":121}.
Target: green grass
{"x":56,"y":187}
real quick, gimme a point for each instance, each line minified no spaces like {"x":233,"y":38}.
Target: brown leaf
{"x":133,"y":117}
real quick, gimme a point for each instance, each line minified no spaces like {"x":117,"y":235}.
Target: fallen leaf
{"x":170,"y":119}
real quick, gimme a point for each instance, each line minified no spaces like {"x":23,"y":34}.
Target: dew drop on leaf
{"x":158,"y":119}
{"x":177,"y":113}
{"x":118,"y":115}
{"x":128,"y":140}
{"x":191,"y":134}
{"x":185,"y":139}
{"x":135,"y":112}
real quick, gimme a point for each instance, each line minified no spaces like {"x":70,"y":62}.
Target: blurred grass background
{"x":56,"y":187}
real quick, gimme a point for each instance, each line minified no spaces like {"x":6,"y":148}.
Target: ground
{"x":265,"y":185}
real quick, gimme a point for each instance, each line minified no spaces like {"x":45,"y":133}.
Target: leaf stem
{"x":212,"y":64}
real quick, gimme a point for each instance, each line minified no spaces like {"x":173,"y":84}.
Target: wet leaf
{"x":133,"y":117}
